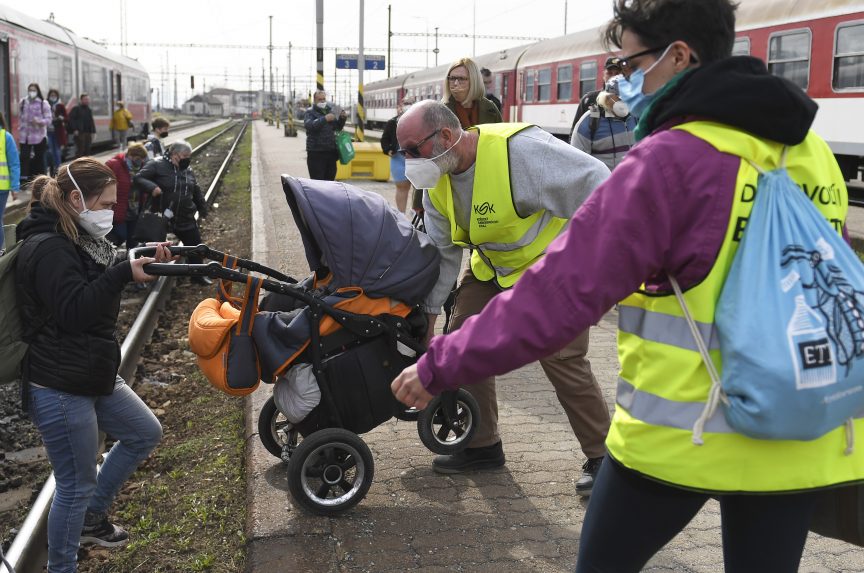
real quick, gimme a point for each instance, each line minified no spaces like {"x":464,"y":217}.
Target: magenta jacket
{"x":34,"y":117}
{"x":664,"y":209}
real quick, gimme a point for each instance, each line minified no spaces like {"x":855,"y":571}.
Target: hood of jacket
{"x":38,"y":220}
{"x":740,"y":92}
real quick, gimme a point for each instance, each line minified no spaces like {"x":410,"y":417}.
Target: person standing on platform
{"x":505,"y":190}
{"x":10,"y":172}
{"x":607,"y":130}
{"x":34,"y":117}
{"x":464,"y":95}
{"x":489,"y":84}
{"x":611,"y":68}
{"x":670,"y":211}
{"x":390,"y":145}
{"x":121,"y":122}
{"x":321,"y":126}
{"x":56,"y":132}
{"x":82,"y":126}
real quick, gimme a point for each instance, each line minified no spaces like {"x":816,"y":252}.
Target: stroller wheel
{"x":448,"y":423}
{"x":330,"y":471}
{"x":274,"y":430}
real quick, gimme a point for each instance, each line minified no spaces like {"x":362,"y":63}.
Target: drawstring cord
{"x":715,"y":394}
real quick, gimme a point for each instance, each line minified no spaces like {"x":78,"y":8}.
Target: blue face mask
{"x":630,"y":89}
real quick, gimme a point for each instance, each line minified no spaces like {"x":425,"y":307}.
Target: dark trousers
{"x":322,"y":164}
{"x":35,"y":165}
{"x":631,"y":517}
{"x":83,"y":144}
{"x":190,"y":238}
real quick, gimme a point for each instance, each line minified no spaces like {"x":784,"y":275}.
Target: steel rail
{"x":29,"y":550}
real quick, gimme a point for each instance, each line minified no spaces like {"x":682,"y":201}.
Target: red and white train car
{"x":33,"y":50}
{"x":817,"y":44}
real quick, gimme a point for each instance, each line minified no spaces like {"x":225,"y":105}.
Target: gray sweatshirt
{"x":545,"y":174}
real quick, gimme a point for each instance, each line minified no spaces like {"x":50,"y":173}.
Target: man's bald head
{"x":424,"y":118}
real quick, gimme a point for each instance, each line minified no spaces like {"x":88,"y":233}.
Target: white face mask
{"x":322,"y":105}
{"x":32,"y":94}
{"x":620,"y":109}
{"x":424,"y":173}
{"x":96,"y":223}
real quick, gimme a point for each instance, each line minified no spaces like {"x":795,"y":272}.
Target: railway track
{"x":28,"y":551}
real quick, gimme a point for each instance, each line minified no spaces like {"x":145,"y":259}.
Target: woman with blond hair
{"x":68,"y":290}
{"x":465,"y":95}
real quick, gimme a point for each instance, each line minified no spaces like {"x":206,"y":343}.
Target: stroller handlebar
{"x":204,"y":252}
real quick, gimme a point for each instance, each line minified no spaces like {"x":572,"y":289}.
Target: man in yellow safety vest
{"x":504,"y":191}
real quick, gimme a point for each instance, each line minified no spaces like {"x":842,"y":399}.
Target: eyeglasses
{"x":414,"y":150}
{"x":457,"y":79}
{"x":624,"y":63}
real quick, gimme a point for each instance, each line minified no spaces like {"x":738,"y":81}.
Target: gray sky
{"x":246,"y":23}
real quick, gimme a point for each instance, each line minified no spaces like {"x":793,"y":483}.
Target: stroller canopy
{"x":362,"y":240}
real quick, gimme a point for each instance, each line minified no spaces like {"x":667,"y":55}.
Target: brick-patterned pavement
{"x":524,"y":517}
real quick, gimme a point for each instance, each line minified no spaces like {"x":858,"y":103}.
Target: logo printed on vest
{"x":484,"y":208}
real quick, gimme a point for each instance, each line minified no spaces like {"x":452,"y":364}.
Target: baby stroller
{"x":334,"y":341}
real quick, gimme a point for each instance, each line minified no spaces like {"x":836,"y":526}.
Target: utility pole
{"x":361,"y":63}
{"x":270,"y":48}
{"x":474,"y":33}
{"x":319,"y":44}
{"x":435,"y":51}
{"x":175,"y":87}
{"x":565,"y":17}
{"x":390,"y":35}
{"x":123,"y":31}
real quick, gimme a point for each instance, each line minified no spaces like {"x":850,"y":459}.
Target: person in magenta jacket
{"x":664,"y":211}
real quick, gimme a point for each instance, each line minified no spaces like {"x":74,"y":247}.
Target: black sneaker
{"x":99,"y":531}
{"x":585,"y":483}
{"x":470,"y":459}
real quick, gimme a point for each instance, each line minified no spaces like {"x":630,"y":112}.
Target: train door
{"x":117,"y":89}
{"x":5,"y":100}
{"x":506,"y":102}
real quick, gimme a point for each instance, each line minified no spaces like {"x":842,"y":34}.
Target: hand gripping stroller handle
{"x":139,"y":252}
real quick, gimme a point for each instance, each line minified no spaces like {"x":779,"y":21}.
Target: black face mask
{"x":184,"y":163}
{"x":163,"y":134}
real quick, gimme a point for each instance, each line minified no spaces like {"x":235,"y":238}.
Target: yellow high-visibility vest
{"x":663,"y":384}
{"x":503,"y":242}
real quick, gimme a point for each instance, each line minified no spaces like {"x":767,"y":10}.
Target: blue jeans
{"x":52,"y":157}
{"x":70,"y":426}
{"x":4,"y":196}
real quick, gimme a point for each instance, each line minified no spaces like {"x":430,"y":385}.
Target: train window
{"x":741,"y":47}
{"x":849,"y":57}
{"x":544,"y":84}
{"x":60,"y":75}
{"x":587,"y":77}
{"x":94,"y":82}
{"x":565,"y":83}
{"x":789,"y":56}
{"x":529,"y":86}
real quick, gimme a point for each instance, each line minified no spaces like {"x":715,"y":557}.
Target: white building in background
{"x":222,"y":102}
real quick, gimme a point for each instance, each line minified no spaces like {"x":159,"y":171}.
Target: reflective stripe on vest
{"x":663,"y":384}
{"x":503,"y":242}
{"x":5,"y":179}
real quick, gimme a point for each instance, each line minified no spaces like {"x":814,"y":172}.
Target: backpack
{"x":12,"y":343}
{"x":792,"y":362}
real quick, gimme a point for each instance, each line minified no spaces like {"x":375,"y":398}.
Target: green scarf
{"x":646,"y":121}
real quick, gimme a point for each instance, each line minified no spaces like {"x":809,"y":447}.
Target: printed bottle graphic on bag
{"x":811,"y":350}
